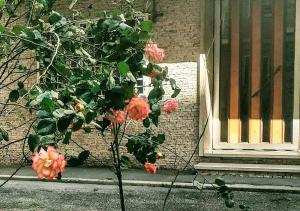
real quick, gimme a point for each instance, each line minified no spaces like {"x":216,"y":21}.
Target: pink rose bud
{"x":79,"y":107}
{"x":170,"y":106}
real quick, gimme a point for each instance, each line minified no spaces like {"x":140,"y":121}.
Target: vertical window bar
{"x":277,"y":123}
{"x":224,"y":68}
{"x":234,"y":124}
{"x":288,"y":75}
{"x":245,"y":46}
{"x":255,"y":124}
{"x":265,"y":92}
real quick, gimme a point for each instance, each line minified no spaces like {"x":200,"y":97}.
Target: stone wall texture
{"x":178,"y":31}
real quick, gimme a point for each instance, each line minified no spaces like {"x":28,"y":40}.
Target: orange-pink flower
{"x":117,"y":117}
{"x":150,"y":167}
{"x":170,"y":106}
{"x":138,"y":108}
{"x":154,"y":53}
{"x":48,"y":164}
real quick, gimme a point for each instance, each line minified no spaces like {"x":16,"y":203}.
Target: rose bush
{"x":86,"y":82}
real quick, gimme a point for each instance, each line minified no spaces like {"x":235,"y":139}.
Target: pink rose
{"x":170,"y":106}
{"x":48,"y":164}
{"x":151,"y":168}
{"x":138,"y":108}
{"x":117,"y":117}
{"x":154,"y":53}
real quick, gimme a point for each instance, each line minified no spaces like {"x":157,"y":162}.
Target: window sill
{"x":253,"y":154}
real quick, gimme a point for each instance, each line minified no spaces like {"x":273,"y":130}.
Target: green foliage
{"x":144,"y":145}
{"x":3,"y":135}
{"x":46,"y":126}
{"x":96,"y":66}
{"x":33,"y":142}
{"x":14,"y":96}
{"x":83,"y":156}
{"x":226,"y":193}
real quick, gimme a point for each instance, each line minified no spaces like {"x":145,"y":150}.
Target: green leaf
{"x":123,"y":68}
{"x":64,"y":122}
{"x":2,"y":29}
{"x":74,"y":162}
{"x":124,"y":162}
{"x":43,"y":114}
{"x":3,"y":135}
{"x":14,"y":95}
{"x":62,"y":69}
{"x":154,"y":116}
{"x":48,"y":105}
{"x":77,"y":123}
{"x":90,"y":116}
{"x":176,"y":92}
{"x":83,"y":156}
{"x":54,"y":17}
{"x":146,"y":26}
{"x":159,"y":139}
{"x":173,"y":83}
{"x":33,"y":142}
{"x":2,"y":3}
{"x":229,"y":203}
{"x":67,"y":137}
{"x":146,"y":122}
{"x":22,"y":92}
{"x":47,"y":140}
{"x":220,"y":181}
{"x":96,"y":89}
{"x":87,"y":129}
{"x":156,"y":94}
{"x":58,"y":113}
{"x":46,"y":126}
{"x":20,"y":85}
{"x":223,"y":189}
{"x":131,"y":77}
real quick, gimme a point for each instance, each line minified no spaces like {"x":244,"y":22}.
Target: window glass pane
{"x":268,"y":24}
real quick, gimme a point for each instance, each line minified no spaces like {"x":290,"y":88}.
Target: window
{"x":256,"y":86}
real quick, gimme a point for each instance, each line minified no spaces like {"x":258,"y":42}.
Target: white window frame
{"x":212,"y":145}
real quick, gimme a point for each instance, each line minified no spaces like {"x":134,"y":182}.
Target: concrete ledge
{"x":234,"y":187}
{"x":248,"y":167}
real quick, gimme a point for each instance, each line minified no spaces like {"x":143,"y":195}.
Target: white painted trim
{"x":253,"y":154}
{"x":217,"y":35}
{"x":261,"y":146}
{"x":296,"y":121}
{"x":205,"y":105}
{"x":248,"y":167}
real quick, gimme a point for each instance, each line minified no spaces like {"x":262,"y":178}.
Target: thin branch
{"x":188,"y":162}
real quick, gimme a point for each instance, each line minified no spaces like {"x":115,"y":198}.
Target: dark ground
{"x":27,"y":195}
